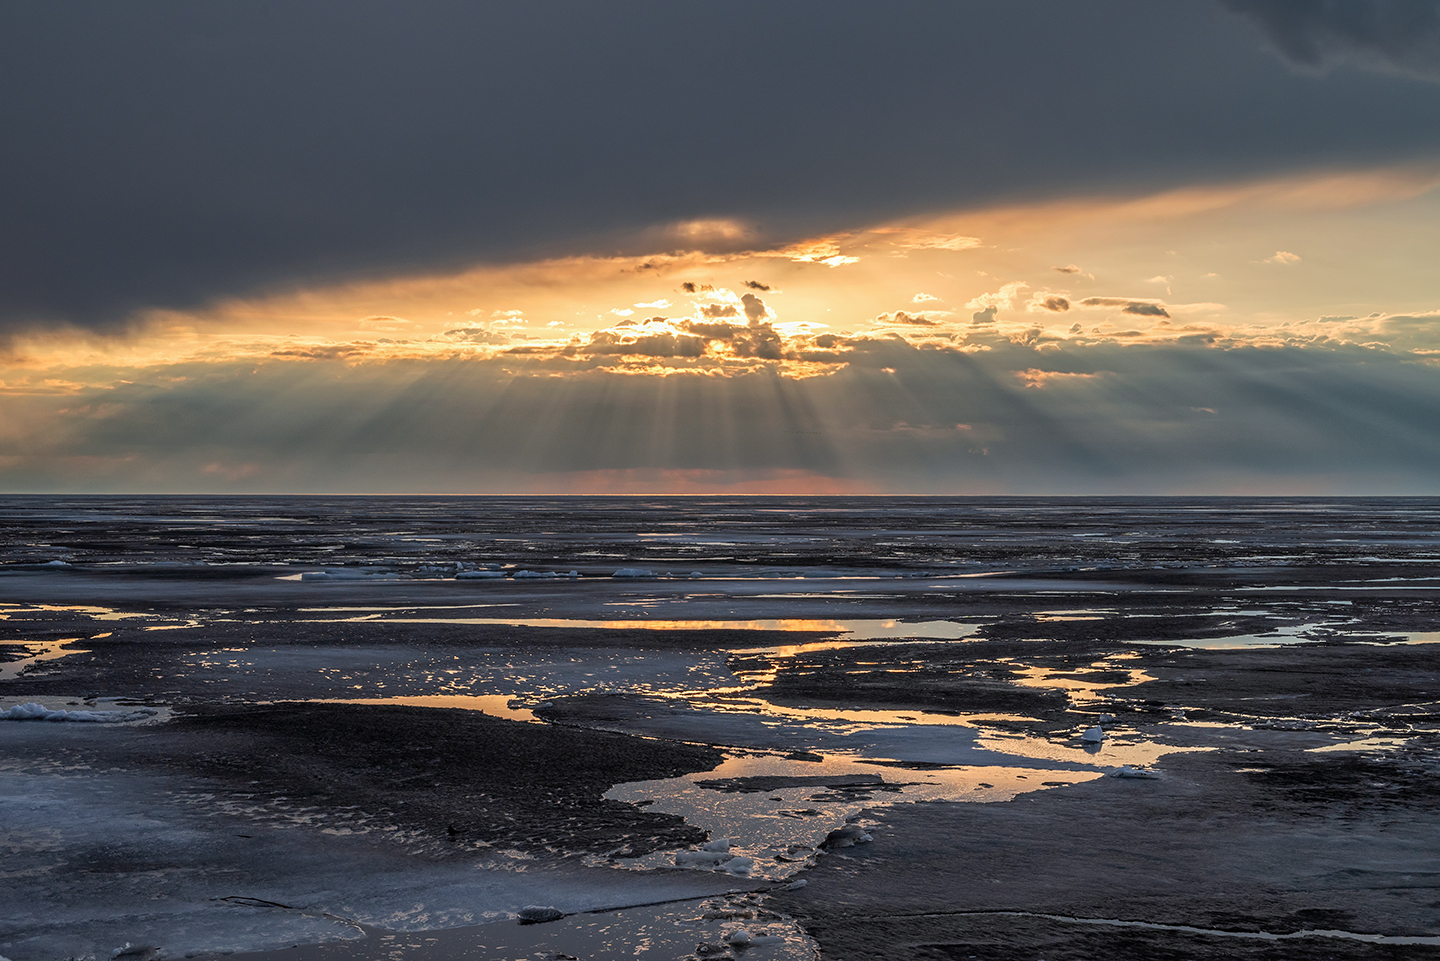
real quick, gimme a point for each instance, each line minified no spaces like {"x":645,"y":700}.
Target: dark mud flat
{"x":456,"y":779}
{"x":1205,"y":847}
{"x":1259,"y":835}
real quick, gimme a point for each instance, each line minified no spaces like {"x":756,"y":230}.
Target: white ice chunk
{"x":740,"y":865}
{"x":1093,"y":736}
{"x":39,"y":712}
{"x":738,"y":936}
{"x":632,"y":573}
{"x":486,"y":575}
{"x":1127,"y":771}
{"x":718,"y":844}
{"x":795,"y":885}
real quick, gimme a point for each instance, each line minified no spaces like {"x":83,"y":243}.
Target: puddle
{"x":47,"y":651}
{"x":495,"y":705}
{"x":1084,"y":683}
{"x":777,"y":810}
{"x":852,"y":630}
{"x":1364,"y":744}
{"x":95,"y":613}
{"x":1299,"y":634}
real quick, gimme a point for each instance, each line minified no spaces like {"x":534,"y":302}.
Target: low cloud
{"x":1142,"y":308}
{"x":475,"y":335}
{"x":986,"y":316}
{"x":755,"y":310}
{"x":912,"y":320}
{"x":644,"y":344}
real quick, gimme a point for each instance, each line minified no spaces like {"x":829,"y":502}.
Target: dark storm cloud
{"x":1145,"y":310}
{"x":165,"y":153}
{"x":1401,"y":35}
{"x":756,"y":285}
{"x":1055,"y":303}
{"x":985,"y":316}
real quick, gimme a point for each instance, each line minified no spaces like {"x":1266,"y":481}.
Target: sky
{"x":840,"y":247}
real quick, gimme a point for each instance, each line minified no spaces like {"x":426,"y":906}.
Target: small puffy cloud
{"x":756,"y":285}
{"x":1283,"y":257}
{"x":508,"y":314}
{"x":755,"y":310}
{"x":922,"y":298}
{"x":622,"y":311}
{"x":719,"y":310}
{"x":691,"y":287}
{"x":1145,"y":310}
{"x":1051,"y":302}
{"x":654,"y":305}
{"x":1158,"y":279}
{"x":1005,"y":297}
{"x":986,"y":316}
{"x":1141,"y":308}
{"x":901,"y":317}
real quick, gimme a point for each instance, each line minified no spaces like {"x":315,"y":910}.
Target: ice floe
{"x":1093,"y":736}
{"x":39,"y":712}
{"x":633,"y":574}
{"x":1137,"y":773}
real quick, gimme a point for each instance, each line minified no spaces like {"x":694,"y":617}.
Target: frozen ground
{"x":394,"y":762}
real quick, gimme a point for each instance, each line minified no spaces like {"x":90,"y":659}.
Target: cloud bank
{"x":165,"y":154}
